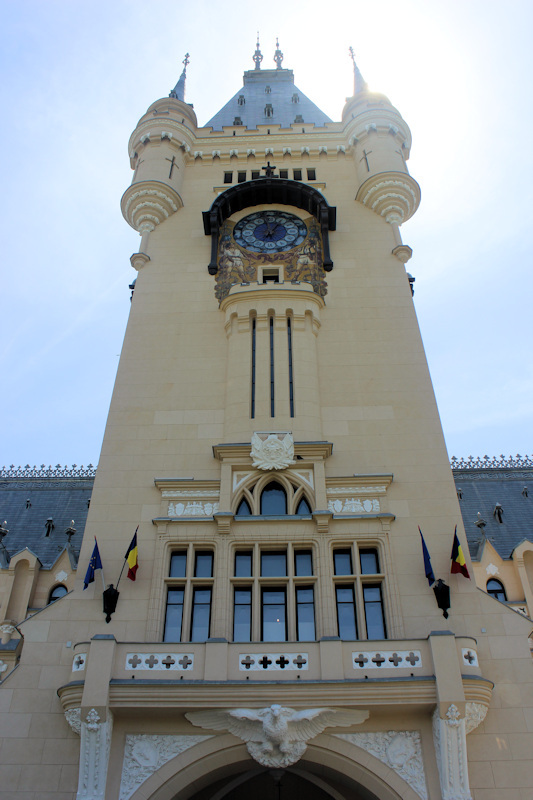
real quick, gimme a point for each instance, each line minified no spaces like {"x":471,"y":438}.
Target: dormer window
{"x":241,"y":100}
{"x":267,"y":90}
{"x":296,"y":98}
{"x":298,"y":118}
{"x":269,"y":111}
{"x":237,"y":121}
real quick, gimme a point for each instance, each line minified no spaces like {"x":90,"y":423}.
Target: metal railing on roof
{"x":48,"y":472}
{"x":491,"y":462}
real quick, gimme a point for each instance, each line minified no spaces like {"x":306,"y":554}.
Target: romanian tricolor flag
{"x":458,"y":558}
{"x":132,"y":557}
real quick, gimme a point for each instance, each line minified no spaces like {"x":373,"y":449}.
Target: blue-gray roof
{"x":479,"y":490}
{"x":268,"y":97}
{"x":57,"y":498}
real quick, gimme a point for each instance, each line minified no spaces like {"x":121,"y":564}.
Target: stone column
{"x":449,"y":736}
{"x":94,"y":755}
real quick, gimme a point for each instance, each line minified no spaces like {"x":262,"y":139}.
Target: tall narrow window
{"x":346,"y":612}
{"x":305,"y":614}
{"x":274,"y":623}
{"x":174,"y":615}
{"x":272,"y":367}
{"x":375,"y":623}
{"x":201,"y":614}
{"x":291,"y":383}
{"x":242,"y":615}
{"x":274,"y":500}
{"x":252,"y":404}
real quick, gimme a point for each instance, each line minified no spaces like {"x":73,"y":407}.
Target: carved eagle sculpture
{"x":276,"y":736}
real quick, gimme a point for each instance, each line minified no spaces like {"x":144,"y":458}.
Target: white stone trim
{"x":94,"y":756}
{"x":250,"y":662}
{"x":449,"y":737}
{"x":154,"y":662}
{"x":386,"y":659}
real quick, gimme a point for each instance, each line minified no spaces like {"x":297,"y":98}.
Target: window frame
{"x":360,"y":580}
{"x":189,"y":583}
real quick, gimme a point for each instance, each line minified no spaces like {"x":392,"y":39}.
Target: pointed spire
{"x":278,"y":55}
{"x":257,"y":56}
{"x":359,"y":84}
{"x":178,"y":92}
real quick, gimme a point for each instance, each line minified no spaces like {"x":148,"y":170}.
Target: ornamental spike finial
{"x":278,"y":55}
{"x":257,"y":56}
{"x":359,"y":84}
{"x":178,"y":92}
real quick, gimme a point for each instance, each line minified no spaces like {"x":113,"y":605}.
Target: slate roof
{"x":479,"y":490}
{"x":62,"y":499}
{"x":287,"y":101}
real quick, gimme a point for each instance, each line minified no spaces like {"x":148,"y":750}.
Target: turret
{"x":158,"y":150}
{"x":381,"y":142}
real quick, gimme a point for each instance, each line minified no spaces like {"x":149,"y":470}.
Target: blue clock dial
{"x":269,"y":232}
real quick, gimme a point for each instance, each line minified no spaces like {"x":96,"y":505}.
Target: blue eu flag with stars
{"x":94,"y":564}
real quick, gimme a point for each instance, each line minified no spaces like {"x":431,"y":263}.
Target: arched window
{"x":495,"y":589}
{"x":243,"y":509}
{"x":303,"y":507}
{"x":273,"y":499}
{"x":57,"y":592}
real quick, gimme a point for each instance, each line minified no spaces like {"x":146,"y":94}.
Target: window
{"x":243,"y":509}
{"x":297,"y":174}
{"x":273,"y":500}
{"x":57,"y":592}
{"x":237,"y":121}
{"x":228,"y":177}
{"x":273,"y":595}
{"x":255,"y":174}
{"x":270,"y":275}
{"x":284,"y":173}
{"x":269,"y":111}
{"x":299,"y":118}
{"x":267,"y":90}
{"x":496,"y":589}
{"x":189,"y":586}
{"x":303,"y":507}
{"x":241,"y":177}
{"x":311,"y":174}
{"x":241,"y":101}
{"x":360,"y":605}
{"x":295,"y":98}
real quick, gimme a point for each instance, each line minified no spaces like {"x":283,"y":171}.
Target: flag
{"x":94,"y":564}
{"x":458,"y":559}
{"x":430,"y":575}
{"x":132,"y":557}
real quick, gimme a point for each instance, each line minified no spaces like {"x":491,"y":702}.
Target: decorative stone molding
{"x":144,"y":754}
{"x":449,"y":737}
{"x":79,"y":662}
{"x":73,"y":717}
{"x":269,"y":151}
{"x":216,"y":153}
{"x":250,"y":151}
{"x":159,"y":662}
{"x":322,"y":149}
{"x":272,"y":450}
{"x":304,"y":150}
{"x":234,"y":153}
{"x":94,"y":756}
{"x":394,"y":196}
{"x":198,"y":154}
{"x":393,"y":130}
{"x":145,"y":138}
{"x":469,"y":657}
{"x":273,"y":662}
{"x":3,"y":666}
{"x":401,"y":751}
{"x":341,"y":148}
{"x":276,"y":736}
{"x":371,"y":127}
{"x":186,"y":147}
{"x":387,"y":659}
{"x":192,"y":509}
{"x":287,"y":151}
{"x":148,"y":203}
{"x":166,"y":135}
{"x":501,"y":462}
{"x":403,"y":253}
{"x":139,"y":260}
{"x":48,"y":472}
{"x":491,"y":569}
{"x":474,"y":716}
{"x":353,"y":505}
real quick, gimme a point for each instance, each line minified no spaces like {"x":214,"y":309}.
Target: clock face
{"x":269,"y":232}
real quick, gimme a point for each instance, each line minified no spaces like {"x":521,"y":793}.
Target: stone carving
{"x":449,"y":737}
{"x":354,"y":506}
{"x":94,"y":756}
{"x":491,"y":569}
{"x":144,"y":754}
{"x":250,"y":151}
{"x":174,"y":662}
{"x":251,"y":662}
{"x":399,"y":750}
{"x":341,"y":148}
{"x":474,"y":716}
{"x":61,"y":576}
{"x":192,"y":508}
{"x":78,"y":662}
{"x":387,"y":659}
{"x":276,"y":736}
{"x":469,"y":657}
{"x":3,"y":666}
{"x":198,"y":154}
{"x":73,"y":717}
{"x":216,"y":153}
{"x":272,"y":450}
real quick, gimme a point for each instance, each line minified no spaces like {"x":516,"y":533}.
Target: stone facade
{"x":277,"y":443}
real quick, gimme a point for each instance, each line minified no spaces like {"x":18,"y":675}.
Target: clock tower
{"x":274,"y":436}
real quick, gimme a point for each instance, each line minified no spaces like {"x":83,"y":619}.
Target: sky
{"x":76,"y":76}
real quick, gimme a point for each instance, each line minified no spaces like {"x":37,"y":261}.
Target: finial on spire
{"x":257,"y":56}
{"x":359,"y":84}
{"x":278,"y":55}
{"x":178,"y":92}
